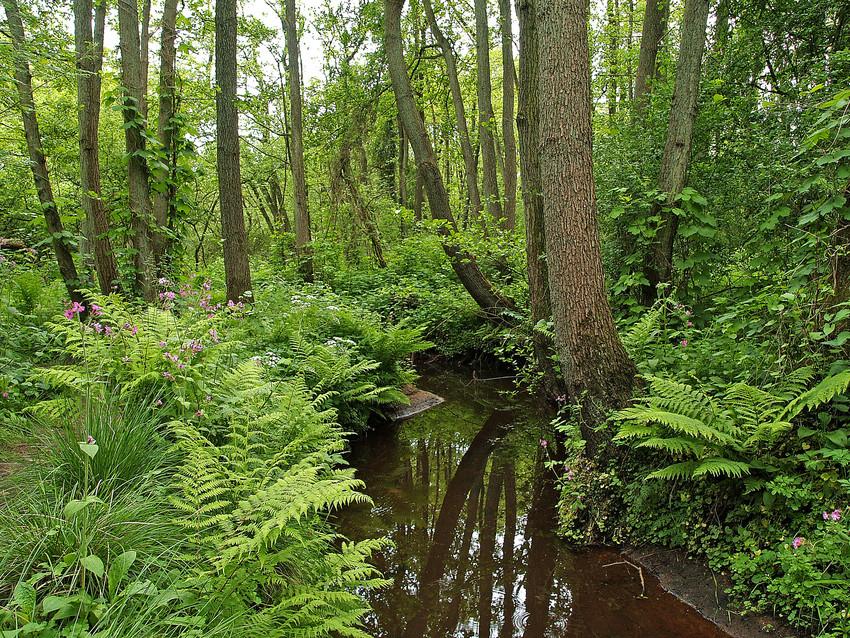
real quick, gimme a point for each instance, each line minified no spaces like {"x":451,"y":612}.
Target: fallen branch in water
{"x":639,"y":571}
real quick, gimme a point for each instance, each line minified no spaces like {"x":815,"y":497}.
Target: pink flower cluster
{"x":798,"y":542}
{"x":76,"y":308}
{"x":834,"y":515}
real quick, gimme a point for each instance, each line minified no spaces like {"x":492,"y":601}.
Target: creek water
{"x":464,"y":493}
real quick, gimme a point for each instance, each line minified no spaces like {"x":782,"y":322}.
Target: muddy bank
{"x":692,"y":582}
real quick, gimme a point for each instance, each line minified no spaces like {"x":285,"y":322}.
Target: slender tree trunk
{"x":144,"y":52}
{"x":299,"y":179}
{"x":469,"y":160}
{"x":677,"y":151}
{"x":134,"y":126}
{"x":508,"y":95}
{"x":89,"y":56}
{"x":599,"y":374}
{"x":237,"y":270}
{"x":360,"y":208}
{"x":462,"y":262}
{"x":280,"y":202}
{"x":402,"y":164}
{"x":528,"y":126}
{"x":486,"y":120}
{"x":163,"y":201}
{"x":654,"y":25}
{"x":38,"y":161}
{"x":612,"y":55}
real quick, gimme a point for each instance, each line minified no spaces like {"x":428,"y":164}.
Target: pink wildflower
{"x":158,"y":403}
{"x":544,"y":443}
{"x":96,"y":310}
{"x":690,"y":324}
{"x":199,"y":413}
{"x":167,"y":375}
{"x":90,"y":440}
{"x":214,"y":335}
{"x":207,"y":285}
{"x":5,"y":394}
{"x":683,"y":343}
{"x":835,"y":515}
{"x":797,"y":542}
{"x":74,"y":309}
{"x":98,"y":328}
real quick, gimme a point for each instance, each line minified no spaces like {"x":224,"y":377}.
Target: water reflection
{"x":464,"y":493}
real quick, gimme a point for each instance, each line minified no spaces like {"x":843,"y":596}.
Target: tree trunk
{"x":144,"y":53}
{"x":486,"y":120}
{"x":599,"y":374}
{"x":470,"y":163}
{"x":89,"y":57}
{"x":462,"y":262}
{"x":134,"y":128}
{"x":509,"y":539}
{"x":299,"y":179}
{"x":237,"y":270}
{"x":509,"y":138}
{"x":612,"y":54}
{"x":163,"y":202}
{"x":38,"y":161}
{"x":402,"y":164}
{"x":677,"y":151}
{"x":486,"y":549}
{"x":360,"y":208}
{"x":654,"y":25}
{"x":528,"y":126}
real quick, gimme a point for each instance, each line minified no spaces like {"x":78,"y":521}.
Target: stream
{"x":463,"y":493}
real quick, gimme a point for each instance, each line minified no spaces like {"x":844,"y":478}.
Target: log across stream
{"x":464,"y":493}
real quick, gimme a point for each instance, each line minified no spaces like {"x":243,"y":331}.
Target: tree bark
{"x":470,"y":163}
{"x":462,"y":262}
{"x":89,"y":58}
{"x":38,"y":161}
{"x":402,"y":164}
{"x":137,"y":166}
{"x":654,"y":25}
{"x":144,"y":54}
{"x":599,"y":374}
{"x":237,"y":270}
{"x":612,"y":54}
{"x":509,"y":538}
{"x":163,"y":202}
{"x":486,"y":120}
{"x":509,"y":176}
{"x":528,"y":126}
{"x":673,"y":173}
{"x":486,"y":549}
{"x":299,"y":179}
{"x":361,"y":210}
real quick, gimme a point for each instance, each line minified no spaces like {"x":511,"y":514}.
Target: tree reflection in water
{"x":464,"y":493}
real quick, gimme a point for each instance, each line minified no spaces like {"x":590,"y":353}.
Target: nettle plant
{"x":731,"y":435}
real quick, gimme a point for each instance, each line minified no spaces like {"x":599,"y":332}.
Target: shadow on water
{"x":464,"y":493}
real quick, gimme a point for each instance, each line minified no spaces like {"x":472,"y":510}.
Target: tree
{"x":464,"y":265}
{"x":508,"y":74}
{"x":134,"y":136}
{"x":296,"y":119}
{"x":599,"y":374}
{"x":237,"y":270}
{"x":677,"y":150}
{"x":38,"y":161}
{"x":654,"y":25}
{"x":470,"y":162}
{"x":89,"y":58}
{"x":163,"y":200}
{"x":528,"y":126}
{"x":486,"y":119}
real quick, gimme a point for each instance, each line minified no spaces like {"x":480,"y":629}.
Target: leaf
{"x":118,"y":570}
{"x":93,"y":564}
{"x":53,"y":603}
{"x":90,"y":449}
{"x":24,"y":597}
{"x":75,"y":506}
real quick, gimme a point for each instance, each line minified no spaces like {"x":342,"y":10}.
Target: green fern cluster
{"x":728,"y":436}
{"x":254,"y":509}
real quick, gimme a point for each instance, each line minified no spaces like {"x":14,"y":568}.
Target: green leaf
{"x":118,"y":570}
{"x":75,"y":506}
{"x":89,"y":449}
{"x":53,"y":603}
{"x":93,"y":564}
{"x":24,"y":597}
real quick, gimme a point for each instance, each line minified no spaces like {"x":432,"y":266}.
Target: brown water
{"x":463,"y":492}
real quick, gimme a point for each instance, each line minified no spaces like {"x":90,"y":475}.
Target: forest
{"x":612,"y":237}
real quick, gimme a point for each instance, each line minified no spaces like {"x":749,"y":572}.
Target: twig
{"x":639,"y":571}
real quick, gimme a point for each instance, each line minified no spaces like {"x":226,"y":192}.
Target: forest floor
{"x":692,"y":582}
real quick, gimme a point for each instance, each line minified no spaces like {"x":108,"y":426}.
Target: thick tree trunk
{"x":509,"y":176}
{"x":462,"y":262}
{"x":163,"y":202}
{"x":134,"y":126}
{"x":38,"y":161}
{"x":599,"y":374}
{"x":299,"y":179}
{"x":237,"y":270}
{"x":654,"y":25}
{"x":470,"y":163}
{"x":144,"y":54}
{"x":528,"y":126}
{"x":677,"y":150}
{"x":89,"y":56}
{"x":486,"y":120}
